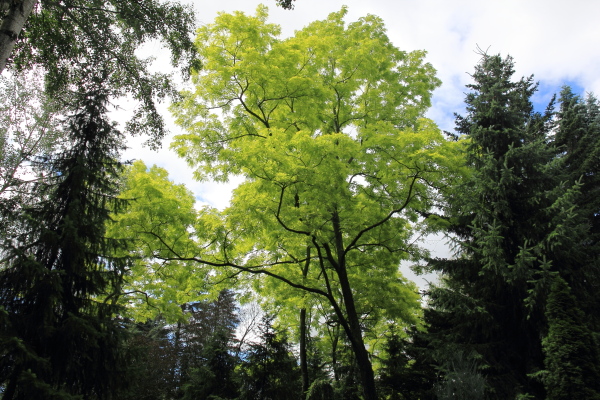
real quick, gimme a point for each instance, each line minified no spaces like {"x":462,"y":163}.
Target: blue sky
{"x":547,"y":90}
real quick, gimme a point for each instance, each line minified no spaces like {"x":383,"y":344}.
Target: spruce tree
{"x":508,"y":219}
{"x":207,"y":356}
{"x":577,"y":146}
{"x":406,"y":371}
{"x":269,"y":370}
{"x":58,"y":281}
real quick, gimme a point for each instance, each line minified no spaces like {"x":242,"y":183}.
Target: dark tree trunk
{"x":356,"y":340}
{"x":352,"y":327}
{"x":303,"y":360}
{"x":303,"y":333}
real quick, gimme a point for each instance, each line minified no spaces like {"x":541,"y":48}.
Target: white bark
{"x":12,"y":24}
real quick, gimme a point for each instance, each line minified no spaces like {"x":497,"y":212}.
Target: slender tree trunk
{"x":12,"y":24}
{"x":303,"y":333}
{"x":334,"y":343}
{"x":355,"y":335}
{"x":178,"y":362}
{"x":353,"y":331}
{"x":303,"y":360}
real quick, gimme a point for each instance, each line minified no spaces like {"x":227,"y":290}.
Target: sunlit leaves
{"x":327,"y":122}
{"x":159,"y":225}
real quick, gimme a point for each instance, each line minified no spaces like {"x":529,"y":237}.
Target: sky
{"x":556,"y":41}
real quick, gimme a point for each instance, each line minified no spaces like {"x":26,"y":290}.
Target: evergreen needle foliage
{"x":514,"y":220}
{"x":58,"y":282}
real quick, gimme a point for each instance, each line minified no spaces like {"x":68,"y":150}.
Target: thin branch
{"x":281,"y":222}
{"x":390,"y":214}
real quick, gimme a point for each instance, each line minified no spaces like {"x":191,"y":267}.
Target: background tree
{"x":153,"y":359}
{"x":571,"y":356}
{"x":270,"y":371}
{"x":407,"y":369}
{"x":577,"y":145}
{"x":58,"y":335}
{"x":208,"y":355}
{"x":29,"y":128}
{"x":193,"y":358}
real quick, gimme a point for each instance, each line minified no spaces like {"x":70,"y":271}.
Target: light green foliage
{"x":328,"y":78}
{"x":157,"y":222}
{"x":328,"y":129}
{"x":324,"y":121}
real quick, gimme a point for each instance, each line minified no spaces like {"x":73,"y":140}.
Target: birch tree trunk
{"x":12,"y":24}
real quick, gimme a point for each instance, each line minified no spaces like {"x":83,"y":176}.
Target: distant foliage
{"x":571,"y":356}
{"x":269,"y":369}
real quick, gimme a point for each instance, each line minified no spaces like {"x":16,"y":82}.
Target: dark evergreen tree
{"x":461,"y":379}
{"x":572,"y":370}
{"x":407,"y":370}
{"x":577,"y":144}
{"x":194,"y":358}
{"x":58,"y":282}
{"x":152,"y":356}
{"x":212,"y":376}
{"x":208,"y":349}
{"x":346,"y":385}
{"x":269,"y":370}
{"x":510,"y":221}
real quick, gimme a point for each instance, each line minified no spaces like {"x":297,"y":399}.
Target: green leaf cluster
{"x":158,"y":223}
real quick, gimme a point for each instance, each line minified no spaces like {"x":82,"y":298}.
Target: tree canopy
{"x":328,"y":129}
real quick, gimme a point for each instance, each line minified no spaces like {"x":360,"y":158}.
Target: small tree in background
{"x":270,"y":370}
{"x":407,"y":370}
{"x":207,"y":352}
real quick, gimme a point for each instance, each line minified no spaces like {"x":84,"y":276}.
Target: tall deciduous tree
{"x":512,"y":220}
{"x":326,"y":128}
{"x":29,"y":128}
{"x":58,"y":280}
